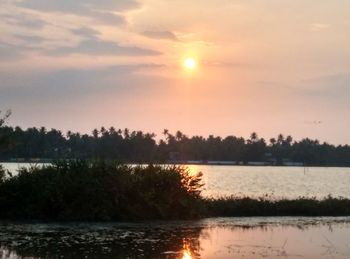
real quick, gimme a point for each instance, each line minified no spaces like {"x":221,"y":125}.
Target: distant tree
{"x":253,"y":137}
{"x":4,"y":117}
{"x":280,"y":139}
{"x":137,"y":146}
{"x":273,"y":141}
{"x":289,"y":140}
{"x":112,"y":131}
{"x":95,"y":133}
{"x":126,"y":133}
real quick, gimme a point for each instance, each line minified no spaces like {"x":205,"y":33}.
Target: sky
{"x":267,"y":66}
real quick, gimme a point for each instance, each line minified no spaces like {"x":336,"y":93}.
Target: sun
{"x":190,"y":63}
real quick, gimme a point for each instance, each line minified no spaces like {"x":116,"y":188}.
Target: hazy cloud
{"x":79,"y":6}
{"x":86,"y":32}
{"x":107,"y":11}
{"x":29,"y":39}
{"x":9,"y":52}
{"x":166,"y":35}
{"x":331,"y":89}
{"x":23,"y":20}
{"x":97,"y":47}
{"x":109,"y":18}
{"x":48,"y":86}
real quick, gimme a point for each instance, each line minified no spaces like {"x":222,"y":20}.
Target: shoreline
{"x":185,"y":163}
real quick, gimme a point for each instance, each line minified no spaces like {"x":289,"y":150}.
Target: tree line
{"x":140,"y":147}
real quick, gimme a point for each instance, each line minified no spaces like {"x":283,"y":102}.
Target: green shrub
{"x":81,"y":190}
{"x":100,"y":190}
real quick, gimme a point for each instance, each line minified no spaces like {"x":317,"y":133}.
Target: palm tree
{"x":289,"y":140}
{"x":280,"y":139}
{"x":126,"y":133}
{"x":273,"y":141}
{"x":95,"y":133}
{"x":179,"y":135}
{"x":69,"y":134}
{"x":112,"y":130}
{"x":253,"y":138}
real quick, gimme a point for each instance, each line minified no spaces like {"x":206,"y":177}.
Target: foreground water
{"x":276,"y":182}
{"x":219,"y":238}
{"x":210,"y":238}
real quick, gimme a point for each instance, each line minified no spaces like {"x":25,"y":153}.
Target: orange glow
{"x":186,"y":251}
{"x":187,"y":255}
{"x":190,"y":63}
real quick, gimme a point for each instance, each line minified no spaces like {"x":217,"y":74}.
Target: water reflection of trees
{"x":120,"y":242}
{"x":168,"y":240}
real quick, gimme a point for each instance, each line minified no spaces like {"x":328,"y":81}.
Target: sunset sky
{"x":267,"y":66}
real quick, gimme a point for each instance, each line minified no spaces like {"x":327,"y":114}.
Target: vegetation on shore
{"x":139,"y":147}
{"x":81,"y":190}
{"x":245,"y":207}
{"x":94,"y":191}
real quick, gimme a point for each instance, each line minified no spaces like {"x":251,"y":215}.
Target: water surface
{"x":210,"y":238}
{"x":275,"y":181}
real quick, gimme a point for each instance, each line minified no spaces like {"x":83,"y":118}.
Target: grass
{"x":239,"y":207}
{"x":105,"y":191}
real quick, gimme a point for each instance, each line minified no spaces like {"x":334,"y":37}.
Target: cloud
{"x":79,"y":6}
{"x":86,"y":32}
{"x":23,"y":20}
{"x":166,"y":35}
{"x":11,"y":52}
{"x":30,"y":39}
{"x":109,"y":18}
{"x":97,"y":47}
{"x":331,"y":90}
{"x":106,"y":11}
{"x":8,"y":52}
{"x":59,"y":85}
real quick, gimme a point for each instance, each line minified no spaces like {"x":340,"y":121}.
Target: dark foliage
{"x":99,"y":191}
{"x":237,"y":207}
{"x":80,"y":190}
{"x":139,"y":147}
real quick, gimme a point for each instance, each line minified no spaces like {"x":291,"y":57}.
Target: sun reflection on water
{"x":186,"y":251}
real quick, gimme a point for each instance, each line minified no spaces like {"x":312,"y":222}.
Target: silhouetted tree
{"x":137,"y":146}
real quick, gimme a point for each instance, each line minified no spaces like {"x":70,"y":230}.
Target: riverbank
{"x":189,"y":162}
{"x":59,"y":192}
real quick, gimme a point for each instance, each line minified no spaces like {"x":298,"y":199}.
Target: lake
{"x":212,"y":238}
{"x":271,"y":181}
{"x":219,"y":238}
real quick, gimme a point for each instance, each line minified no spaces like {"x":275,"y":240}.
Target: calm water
{"x":218,"y":238}
{"x":288,"y":182}
{"x":277,"y":182}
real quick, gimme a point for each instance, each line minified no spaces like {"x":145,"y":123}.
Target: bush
{"x":233,"y":207}
{"x":81,"y":190}
{"x":2,"y":174}
{"x":97,"y":191}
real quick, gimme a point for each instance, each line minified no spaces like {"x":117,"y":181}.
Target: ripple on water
{"x":208,"y":238}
